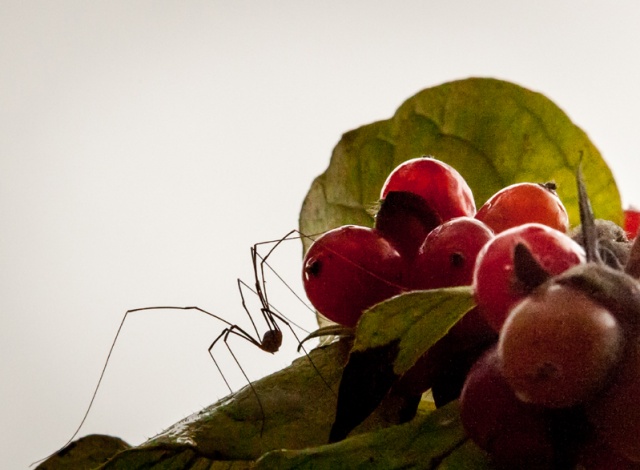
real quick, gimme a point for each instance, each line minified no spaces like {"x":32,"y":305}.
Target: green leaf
{"x":493,"y":132}
{"x":85,"y":453}
{"x":432,"y":441}
{"x":299,"y":404}
{"x":468,"y":455}
{"x":390,"y":338}
{"x":418,"y":319}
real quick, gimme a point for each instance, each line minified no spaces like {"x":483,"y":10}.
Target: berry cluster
{"x":562,"y":383}
{"x":547,"y":365}
{"x":426,"y":207}
{"x":427,"y":235}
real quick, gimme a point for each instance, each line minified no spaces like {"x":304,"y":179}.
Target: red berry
{"x":516,"y":434}
{"x":349,"y":269}
{"x":597,"y":455}
{"x":522,"y":203}
{"x":497,"y":287}
{"x":631,"y":222}
{"x":448,"y":254}
{"x":446,"y":259}
{"x":615,"y":413}
{"x":444,"y":189}
{"x":558,"y":347}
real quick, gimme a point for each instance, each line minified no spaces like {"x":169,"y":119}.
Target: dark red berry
{"x":616,"y":412}
{"x":516,"y":434}
{"x":349,"y":269}
{"x":405,"y":219}
{"x":597,"y":455}
{"x":558,"y":347}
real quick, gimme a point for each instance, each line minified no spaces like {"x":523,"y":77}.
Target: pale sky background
{"x":145,"y":146}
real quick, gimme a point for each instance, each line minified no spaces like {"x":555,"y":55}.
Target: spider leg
{"x":259,"y":262}
{"x":263,"y":262}
{"x":242,"y":284}
{"x":270,"y":313}
{"x":259,"y":274}
{"x":301,"y":347}
{"x":106,"y":363}
{"x":224,"y":335}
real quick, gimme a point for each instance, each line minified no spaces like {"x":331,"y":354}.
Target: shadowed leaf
{"x":417,"y":319}
{"x":390,"y":338}
{"x":299,"y":410}
{"x":366,"y":379}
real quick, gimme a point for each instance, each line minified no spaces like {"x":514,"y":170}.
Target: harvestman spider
{"x":269,"y":342}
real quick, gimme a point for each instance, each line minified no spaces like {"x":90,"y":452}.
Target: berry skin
{"x":496,"y":286}
{"x":444,"y":189}
{"x":516,"y":434}
{"x":522,"y":203}
{"x":615,"y":413}
{"x":448,"y":254}
{"x":349,"y":269}
{"x":446,"y":259}
{"x":558,"y":347}
{"x":631,"y":222}
{"x":597,"y":455}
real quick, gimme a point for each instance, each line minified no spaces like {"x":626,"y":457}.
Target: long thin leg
{"x":272,"y":308}
{"x":259,"y":274}
{"x":261,"y":280}
{"x":269,"y":313}
{"x":301,"y":346}
{"x":263,"y":262}
{"x":244,"y":305}
{"x":106,"y":363}
{"x":236,"y":330}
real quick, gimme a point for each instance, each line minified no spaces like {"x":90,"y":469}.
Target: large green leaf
{"x":241,"y":428}
{"x":433,"y":441}
{"x":493,"y":132}
{"x":417,"y":320}
{"x":295,"y":411}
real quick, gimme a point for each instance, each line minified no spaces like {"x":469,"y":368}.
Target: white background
{"x":145,"y":146}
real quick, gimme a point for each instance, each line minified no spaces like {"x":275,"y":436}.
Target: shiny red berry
{"x":522,"y":203}
{"x":496,"y":284}
{"x":448,"y":254}
{"x":349,"y":269}
{"x":444,"y":189}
